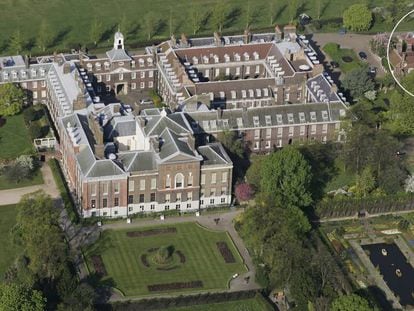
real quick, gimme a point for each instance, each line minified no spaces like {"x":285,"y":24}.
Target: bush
{"x":64,"y":191}
{"x":35,"y":130}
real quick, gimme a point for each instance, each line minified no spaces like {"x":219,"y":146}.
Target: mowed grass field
{"x":14,"y":138}
{"x":8,"y":250}
{"x":70,"y":20}
{"x":203,"y":261}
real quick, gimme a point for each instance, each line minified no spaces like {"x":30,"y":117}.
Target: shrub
{"x":243,"y":192}
{"x":35,"y":130}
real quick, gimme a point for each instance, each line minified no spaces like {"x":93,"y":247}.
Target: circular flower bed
{"x":347,"y":59}
{"x":163,"y":258}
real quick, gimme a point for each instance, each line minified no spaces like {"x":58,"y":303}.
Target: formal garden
{"x":345,"y":58}
{"x":173,"y":258}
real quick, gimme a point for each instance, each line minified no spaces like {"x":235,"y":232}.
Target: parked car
{"x":363,"y":55}
{"x":334,"y":64}
{"x":373,"y":70}
{"x":342,"y":31}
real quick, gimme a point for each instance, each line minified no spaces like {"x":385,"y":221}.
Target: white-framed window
{"x":43,"y":94}
{"x":133,"y":86}
{"x":291,"y":130}
{"x":213,"y":178}
{"x":116,"y":187}
{"x":178,"y":197}
{"x":189,"y":196}
{"x":133,"y":75}
{"x":142,"y":184}
{"x":256,"y":145}
{"x":223,"y":200}
{"x":224,"y":177}
{"x":179,"y":180}
{"x":256,"y":134}
{"x":268,"y":132}
{"x":108,"y":78}
{"x":121,"y":76}
{"x":268,"y":144}
{"x":153,"y":183}
{"x":99,"y":78}
{"x":167,"y":198}
{"x":324,"y":128}
{"x":203,"y":179}
{"x":313,"y":129}
{"x":142,"y":74}
{"x":93,"y":189}
{"x":43,"y":83}
{"x":302,"y":130}
{"x":107,"y":65}
{"x":150,"y":73}
{"x":279,"y":143}
{"x":105,"y":188}
{"x":133,"y":64}
{"x":35,"y":95}
{"x":168,"y":182}
{"x":150,"y":84}
{"x":190,"y":179}
{"x":34,"y":84}
{"x":131,"y":185}
{"x":142,"y":85}
{"x":247,"y":70}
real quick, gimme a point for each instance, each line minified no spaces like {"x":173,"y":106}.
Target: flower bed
{"x":225,"y":252}
{"x":182,"y":256}
{"x":98,"y":265}
{"x":144,"y":260}
{"x":173,"y":286}
{"x":151,"y":232}
{"x":167,"y":268}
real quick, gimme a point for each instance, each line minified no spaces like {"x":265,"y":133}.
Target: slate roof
{"x":172,"y":144}
{"x":103,"y":168}
{"x":214,"y":154}
{"x":155,"y":125}
{"x":120,"y":126}
{"x":138,"y":161}
{"x":324,"y":87}
{"x":117,"y":55}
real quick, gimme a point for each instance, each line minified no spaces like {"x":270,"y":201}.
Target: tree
{"x":272,"y":12}
{"x":365,"y":182}
{"x":81,"y":298}
{"x":253,"y":174}
{"x":351,"y":302}
{"x":293,"y":7}
{"x":18,"y":297}
{"x":96,"y":31}
{"x":16,"y":42}
{"x":358,"y":81}
{"x":357,"y":17}
{"x":232,"y":143}
{"x":35,"y":130}
{"x":151,"y":23}
{"x":286,"y":178}
{"x":219,"y":15}
{"x":12,"y":98}
{"x":38,"y":231}
{"x":44,"y":37}
{"x":248,"y":14}
{"x":197,"y":18}
{"x":243,"y":192}
{"x":318,"y":9}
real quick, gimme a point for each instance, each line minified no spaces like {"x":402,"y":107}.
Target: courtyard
{"x":196,"y":259}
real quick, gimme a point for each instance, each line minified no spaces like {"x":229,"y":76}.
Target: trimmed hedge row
{"x":183,"y":301}
{"x":64,"y":191}
{"x":345,"y":207}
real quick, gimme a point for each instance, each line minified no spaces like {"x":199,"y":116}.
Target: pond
{"x":388,"y":262}
{"x":347,"y":59}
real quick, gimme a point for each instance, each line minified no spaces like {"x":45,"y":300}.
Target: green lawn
{"x":37,"y":179}
{"x":8,"y":250}
{"x":14,"y":138}
{"x":254,"y":304}
{"x":336,"y":54}
{"x":203,"y":262}
{"x":70,"y":21}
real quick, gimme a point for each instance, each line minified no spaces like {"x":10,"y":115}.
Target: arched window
{"x":179,"y":180}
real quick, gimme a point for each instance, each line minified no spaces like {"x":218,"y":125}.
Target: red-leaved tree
{"x":244,"y":192}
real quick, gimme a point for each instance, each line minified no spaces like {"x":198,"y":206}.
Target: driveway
{"x":350,"y":41}
{"x":13,"y":196}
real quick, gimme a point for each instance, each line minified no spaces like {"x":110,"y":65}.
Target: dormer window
{"x":33,"y":73}
{"x":89,"y":66}
{"x":42,"y":72}
{"x":107,"y":65}
{"x":279,"y":119}
{"x":149,"y":61}
{"x":258,"y":92}
{"x":290,"y":117}
{"x":205,"y":59}
{"x":256,"y":55}
{"x":239,"y":122}
{"x":265,"y":92}
{"x":14,"y":74}
{"x":133,"y":64}
{"x":195,"y":60}
{"x":243,"y":93}
{"x":251,"y":93}
{"x":237,"y":57}
{"x":302,"y":117}
{"x":233,"y":94}
{"x":325,"y":115}
{"x":5,"y":75}
{"x":313,"y":116}
{"x":23,"y":74}
{"x":216,"y":59}
{"x":141,"y":62}
{"x":98,"y":66}
{"x":268,"y":120}
{"x":246,"y":56}
{"x":226,"y":58}
{"x":256,"y":122}
{"x":225,"y":123}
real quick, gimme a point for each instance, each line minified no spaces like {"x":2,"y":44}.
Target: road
{"x":13,"y":196}
{"x":350,"y":41}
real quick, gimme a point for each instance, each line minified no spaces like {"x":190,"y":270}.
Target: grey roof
{"x":319,"y":86}
{"x":214,"y":154}
{"x":155,"y":125}
{"x":116,"y":55}
{"x":86,"y":159}
{"x":173,"y":144}
{"x":104,"y":168}
{"x":138,"y":161}
{"x":282,"y":115}
{"x":120,"y":126}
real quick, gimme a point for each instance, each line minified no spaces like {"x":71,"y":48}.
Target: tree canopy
{"x":11,"y":99}
{"x":357,"y":17}
{"x":351,"y":302}
{"x":286,"y":178}
{"x":14,"y":297}
{"x":358,"y":81}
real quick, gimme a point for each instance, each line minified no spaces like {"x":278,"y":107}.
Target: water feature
{"x":398,"y":274}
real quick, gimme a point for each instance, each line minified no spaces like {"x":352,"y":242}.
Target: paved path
{"x":13,"y":196}
{"x":351,"y":41}
{"x":225,"y":224}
